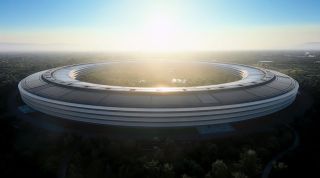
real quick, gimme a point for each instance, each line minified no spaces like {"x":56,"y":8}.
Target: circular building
{"x":194,"y":100}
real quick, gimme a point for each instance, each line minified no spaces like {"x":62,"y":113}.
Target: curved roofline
{"x":67,"y":75}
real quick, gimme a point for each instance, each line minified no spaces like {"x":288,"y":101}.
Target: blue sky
{"x":111,"y":19}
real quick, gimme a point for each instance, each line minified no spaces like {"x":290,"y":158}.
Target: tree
{"x":249,"y":163}
{"x":219,"y":170}
{"x":239,"y":175}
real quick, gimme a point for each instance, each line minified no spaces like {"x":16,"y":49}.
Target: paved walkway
{"x":267,"y":170}
{"x":305,"y":102}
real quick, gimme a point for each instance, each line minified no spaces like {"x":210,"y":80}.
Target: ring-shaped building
{"x":58,"y":92}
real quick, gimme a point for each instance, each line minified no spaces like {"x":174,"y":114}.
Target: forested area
{"x":29,"y":152}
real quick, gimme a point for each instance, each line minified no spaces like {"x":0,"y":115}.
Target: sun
{"x":160,"y":33}
{"x":160,"y":28}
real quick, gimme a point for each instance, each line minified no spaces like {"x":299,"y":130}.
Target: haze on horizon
{"x":161,"y":25}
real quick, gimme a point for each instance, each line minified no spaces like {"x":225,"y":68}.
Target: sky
{"x":158,"y":25}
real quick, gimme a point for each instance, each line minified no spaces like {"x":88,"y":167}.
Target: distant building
{"x":308,"y":54}
{"x":265,"y":63}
